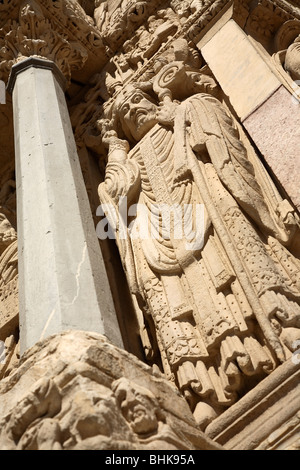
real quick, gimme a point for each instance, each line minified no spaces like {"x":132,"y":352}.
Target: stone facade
{"x":149,"y":225}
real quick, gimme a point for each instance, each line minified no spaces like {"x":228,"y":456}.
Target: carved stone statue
{"x":224,"y":312}
{"x":218,"y":301}
{"x":83,"y":402}
{"x":100,"y":13}
{"x":287,"y":57}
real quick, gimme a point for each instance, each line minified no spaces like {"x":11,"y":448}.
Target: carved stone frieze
{"x":265,"y":19}
{"x":146,"y":47}
{"x":92,"y":396}
{"x":9,"y":305}
{"x":8,"y":9}
{"x":60,"y":31}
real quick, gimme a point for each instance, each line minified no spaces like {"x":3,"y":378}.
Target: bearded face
{"x":137,"y":115}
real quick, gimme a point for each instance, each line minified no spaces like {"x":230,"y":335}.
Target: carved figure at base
{"x":146,"y":418}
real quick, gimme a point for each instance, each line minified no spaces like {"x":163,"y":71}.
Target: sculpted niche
{"x":218,"y":301}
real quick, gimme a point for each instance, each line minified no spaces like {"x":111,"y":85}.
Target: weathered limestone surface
{"x":223,"y":313}
{"x":256,"y":89}
{"x":267,"y":418}
{"x":9,"y":313}
{"x":76,"y":391}
{"x":239,"y":68}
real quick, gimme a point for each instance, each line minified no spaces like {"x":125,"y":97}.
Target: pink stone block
{"x":275,"y":129}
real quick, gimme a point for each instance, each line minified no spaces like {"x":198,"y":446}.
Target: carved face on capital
{"x":138,"y":407}
{"x":137,"y":114}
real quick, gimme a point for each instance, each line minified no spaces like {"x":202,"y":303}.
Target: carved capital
{"x":34,"y":35}
{"x":266,"y":19}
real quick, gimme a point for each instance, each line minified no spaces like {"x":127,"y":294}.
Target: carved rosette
{"x":34,"y":35}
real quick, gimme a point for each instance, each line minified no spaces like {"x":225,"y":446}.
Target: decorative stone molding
{"x":266,"y":18}
{"x":140,"y":53}
{"x":267,"y":418}
{"x":9,"y":316}
{"x":8,"y":9}
{"x":140,"y":49}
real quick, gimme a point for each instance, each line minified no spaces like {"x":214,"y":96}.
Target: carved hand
{"x":166,"y":114}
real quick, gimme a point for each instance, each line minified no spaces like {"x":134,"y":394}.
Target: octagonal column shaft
{"x":63,"y":284}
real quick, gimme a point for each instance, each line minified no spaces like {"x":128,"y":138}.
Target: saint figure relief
{"x":218,"y":301}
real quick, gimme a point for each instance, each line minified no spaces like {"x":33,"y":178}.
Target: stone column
{"x":62,"y":279}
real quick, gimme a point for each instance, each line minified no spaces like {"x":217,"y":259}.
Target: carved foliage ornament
{"x":33,"y":35}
